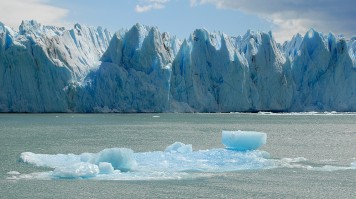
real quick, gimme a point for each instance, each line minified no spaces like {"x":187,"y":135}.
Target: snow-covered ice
{"x":243,"y":140}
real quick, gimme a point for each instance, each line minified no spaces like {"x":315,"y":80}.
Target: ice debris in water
{"x":174,"y":162}
{"x":13,"y":173}
{"x":179,"y":147}
{"x":243,"y":140}
{"x":177,"y":161}
{"x":122,"y":163}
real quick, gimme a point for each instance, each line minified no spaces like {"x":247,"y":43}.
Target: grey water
{"x":323,"y":139}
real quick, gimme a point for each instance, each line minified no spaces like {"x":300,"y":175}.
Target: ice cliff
{"x":134,"y":75}
{"x":86,"y":69}
{"x":39,"y":63}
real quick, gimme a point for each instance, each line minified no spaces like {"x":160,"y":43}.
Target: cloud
{"x":291,"y":16}
{"x":14,"y":11}
{"x":147,"y":5}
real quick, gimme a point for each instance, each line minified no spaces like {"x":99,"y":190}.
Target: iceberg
{"x":243,"y":140}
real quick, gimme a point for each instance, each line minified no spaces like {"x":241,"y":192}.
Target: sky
{"x":284,"y":18}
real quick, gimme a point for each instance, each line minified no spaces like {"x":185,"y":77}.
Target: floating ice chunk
{"x":13,"y":173}
{"x":243,"y":140}
{"x":330,"y":168}
{"x":78,"y":170}
{"x":294,"y":160}
{"x":106,"y":168}
{"x":179,"y":147}
{"x":120,"y":158}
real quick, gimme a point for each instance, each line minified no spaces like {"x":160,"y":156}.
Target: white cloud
{"x":14,"y":11}
{"x":148,"y":5}
{"x":292,"y":16}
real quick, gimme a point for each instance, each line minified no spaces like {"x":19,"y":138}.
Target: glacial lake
{"x":313,"y":154}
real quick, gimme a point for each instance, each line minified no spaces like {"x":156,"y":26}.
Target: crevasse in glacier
{"x":86,"y":69}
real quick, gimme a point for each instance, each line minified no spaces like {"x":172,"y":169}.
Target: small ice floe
{"x":13,"y":173}
{"x":243,"y":140}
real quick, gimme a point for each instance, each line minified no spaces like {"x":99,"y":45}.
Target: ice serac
{"x":134,"y":75}
{"x":38,"y":63}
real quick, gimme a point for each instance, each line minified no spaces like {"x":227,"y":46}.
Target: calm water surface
{"x":322,"y":139}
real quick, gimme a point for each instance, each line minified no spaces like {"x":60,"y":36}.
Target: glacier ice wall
{"x":217,"y":76}
{"x":86,"y":69}
{"x":324,"y":75}
{"x":38,"y":63}
{"x":216,"y":73}
{"x":134,"y":75}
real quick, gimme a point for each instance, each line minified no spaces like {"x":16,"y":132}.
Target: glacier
{"x":88,"y":69}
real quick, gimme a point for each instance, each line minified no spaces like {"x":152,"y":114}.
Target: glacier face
{"x":134,"y":75}
{"x":86,"y":69}
{"x":251,"y":73}
{"x":39,"y":63}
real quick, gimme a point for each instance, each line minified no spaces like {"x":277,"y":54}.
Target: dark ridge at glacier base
{"x":86,"y":69}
